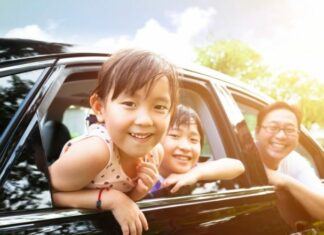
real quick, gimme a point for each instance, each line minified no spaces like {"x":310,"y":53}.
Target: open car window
{"x":66,"y":115}
{"x":250,"y":110}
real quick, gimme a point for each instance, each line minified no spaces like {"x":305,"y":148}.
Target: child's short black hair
{"x":185,"y":115}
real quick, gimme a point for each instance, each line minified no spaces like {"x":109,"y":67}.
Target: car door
{"x":222,"y":207}
{"x":232,"y":206}
{"x":209,"y":207}
{"x":25,"y":192}
{"x":292,"y":212}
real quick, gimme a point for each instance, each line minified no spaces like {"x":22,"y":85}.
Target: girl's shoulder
{"x":98,"y":129}
{"x":86,"y":146}
{"x":92,"y":145}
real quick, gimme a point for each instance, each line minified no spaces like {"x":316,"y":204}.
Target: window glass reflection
{"x":13,"y":90}
{"x":26,"y":187}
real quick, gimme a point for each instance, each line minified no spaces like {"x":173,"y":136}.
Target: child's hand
{"x":130,"y":218}
{"x":147,"y":174}
{"x":179,"y":180}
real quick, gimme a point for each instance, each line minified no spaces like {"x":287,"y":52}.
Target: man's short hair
{"x":279,"y":105}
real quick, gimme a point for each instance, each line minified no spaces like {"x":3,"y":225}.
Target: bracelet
{"x":98,"y":203}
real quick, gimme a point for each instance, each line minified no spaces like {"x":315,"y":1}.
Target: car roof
{"x":188,"y":69}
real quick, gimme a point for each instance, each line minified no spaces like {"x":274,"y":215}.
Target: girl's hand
{"x":130,"y":218}
{"x":179,"y":180}
{"x":147,"y":174}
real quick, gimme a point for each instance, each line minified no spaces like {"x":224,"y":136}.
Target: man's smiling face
{"x":276,"y":138}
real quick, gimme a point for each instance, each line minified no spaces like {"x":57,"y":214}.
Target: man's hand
{"x":276,"y":178}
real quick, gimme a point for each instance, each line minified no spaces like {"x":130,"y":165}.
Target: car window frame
{"x":201,"y":86}
{"x":305,"y":140}
{"x":18,"y":68}
{"x":15,"y":129}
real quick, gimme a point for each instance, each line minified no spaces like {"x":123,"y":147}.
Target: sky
{"x":287,"y":33}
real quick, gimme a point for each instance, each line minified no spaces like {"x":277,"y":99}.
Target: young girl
{"x":182,"y":146}
{"x":116,"y":163}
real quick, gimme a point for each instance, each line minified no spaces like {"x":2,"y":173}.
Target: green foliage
{"x":240,"y":61}
{"x":233,"y":58}
{"x":298,"y":87}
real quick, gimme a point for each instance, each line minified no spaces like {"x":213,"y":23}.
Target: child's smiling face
{"x":181,"y":149}
{"x":136,"y":123}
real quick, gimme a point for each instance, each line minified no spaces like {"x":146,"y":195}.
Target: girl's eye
{"x":129,"y":104}
{"x":174,"y":135}
{"x":161,"y":107}
{"x":194,"y":140}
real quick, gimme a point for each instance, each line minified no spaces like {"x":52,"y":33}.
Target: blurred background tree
{"x":238,"y":60}
{"x":233,"y":58}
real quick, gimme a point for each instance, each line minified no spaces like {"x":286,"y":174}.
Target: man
{"x":277,"y":133}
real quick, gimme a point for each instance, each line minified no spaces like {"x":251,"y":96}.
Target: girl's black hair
{"x":130,"y":70}
{"x":185,"y":115}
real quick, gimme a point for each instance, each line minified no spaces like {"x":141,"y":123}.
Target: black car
{"x":44,"y":103}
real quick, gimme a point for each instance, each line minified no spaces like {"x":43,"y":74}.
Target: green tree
{"x":302,"y":89}
{"x":233,"y":58}
{"x":236,"y":59}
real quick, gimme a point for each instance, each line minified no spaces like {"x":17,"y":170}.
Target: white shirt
{"x":297,"y":167}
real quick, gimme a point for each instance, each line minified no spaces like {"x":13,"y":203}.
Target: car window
{"x":13,"y":90}
{"x":26,"y":187}
{"x":250,"y":111}
{"x":213,"y":148}
{"x":74,"y":118}
{"x":70,"y":107}
{"x":194,"y":100}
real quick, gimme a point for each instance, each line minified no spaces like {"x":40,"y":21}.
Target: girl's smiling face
{"x":136,"y":123}
{"x":181,"y":149}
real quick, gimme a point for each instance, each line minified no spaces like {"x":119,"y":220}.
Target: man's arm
{"x":311,"y":200}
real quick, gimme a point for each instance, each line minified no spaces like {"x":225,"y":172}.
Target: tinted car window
{"x":26,"y":186}
{"x":13,"y":90}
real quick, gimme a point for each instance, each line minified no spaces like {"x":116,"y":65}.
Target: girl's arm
{"x":311,"y":200}
{"x":80,"y":164}
{"x":223,"y":169}
{"x":130,"y":218}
